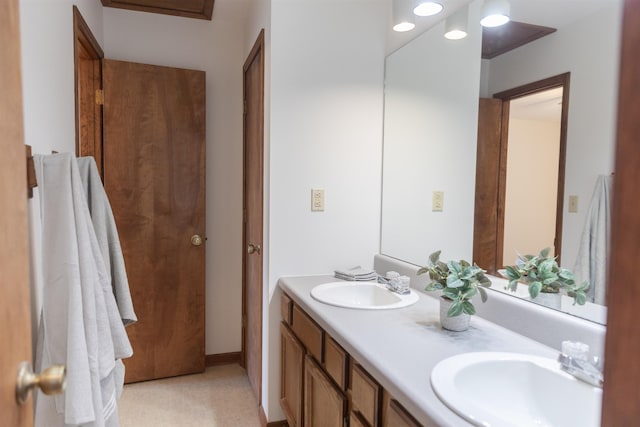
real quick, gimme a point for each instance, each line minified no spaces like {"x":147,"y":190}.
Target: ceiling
{"x":549,"y":13}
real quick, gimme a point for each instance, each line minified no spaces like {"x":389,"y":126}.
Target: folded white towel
{"x":357,"y":274}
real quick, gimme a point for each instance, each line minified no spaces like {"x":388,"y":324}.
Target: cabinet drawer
{"x":286,"y":306}
{"x":308,"y":332}
{"x":335,"y":362}
{"x":366,"y":395}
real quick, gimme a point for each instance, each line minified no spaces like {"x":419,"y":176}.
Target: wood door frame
{"x":560,"y":80}
{"x":257,"y":48}
{"x":205,"y":13}
{"x":622,"y":371}
{"x":82,"y":35}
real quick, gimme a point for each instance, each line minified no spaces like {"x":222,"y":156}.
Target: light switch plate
{"x":317,"y":199}
{"x":437,"y":201}
{"x":573,"y":204}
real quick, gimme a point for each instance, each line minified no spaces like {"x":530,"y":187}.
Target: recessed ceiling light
{"x":495,"y":13}
{"x":427,"y":8}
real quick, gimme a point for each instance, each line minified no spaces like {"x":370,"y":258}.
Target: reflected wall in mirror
{"x":431,"y":124}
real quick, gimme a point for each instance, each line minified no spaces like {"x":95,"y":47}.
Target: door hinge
{"x":99,"y":97}
{"x":244,"y":108}
{"x":244,"y":215}
{"x":244,"y":321}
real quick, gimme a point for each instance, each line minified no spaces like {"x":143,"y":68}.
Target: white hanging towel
{"x":591,"y":263}
{"x":80,"y":323}
{"x":104,"y":225}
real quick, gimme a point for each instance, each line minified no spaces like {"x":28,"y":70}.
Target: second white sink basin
{"x":362,"y":295}
{"x":510,"y":389}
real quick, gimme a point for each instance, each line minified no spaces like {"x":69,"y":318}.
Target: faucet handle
{"x":576,"y":350}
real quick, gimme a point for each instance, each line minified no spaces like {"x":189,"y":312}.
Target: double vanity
{"x":376,"y":358}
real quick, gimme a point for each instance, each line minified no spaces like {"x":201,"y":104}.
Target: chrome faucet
{"x":396,"y":284}
{"x":589,"y":372}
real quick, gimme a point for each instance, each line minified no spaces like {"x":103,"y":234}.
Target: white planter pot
{"x":457,"y":323}
{"x":549,"y":300}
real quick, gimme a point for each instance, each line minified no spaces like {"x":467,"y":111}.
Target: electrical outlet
{"x":317,"y":200}
{"x":573,"y":204}
{"x":437,"y":201}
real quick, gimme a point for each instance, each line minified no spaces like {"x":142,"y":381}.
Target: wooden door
{"x":291,"y":374}
{"x":251,"y":356}
{"x":324,"y":404}
{"x":15,"y":331}
{"x":154,"y":175}
{"x":485,"y":226}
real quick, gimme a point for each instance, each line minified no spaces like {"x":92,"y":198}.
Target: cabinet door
{"x":397,"y":416}
{"x":324,"y":404}
{"x":291,"y":371}
{"x":366,"y":395}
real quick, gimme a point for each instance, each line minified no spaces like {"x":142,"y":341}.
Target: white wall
{"x":47,"y":70}
{"x":215,"y":47}
{"x":326,"y":77}
{"x":430,"y":133}
{"x":531,"y":198}
{"x":589,"y":49}
{"x":46,"y":30}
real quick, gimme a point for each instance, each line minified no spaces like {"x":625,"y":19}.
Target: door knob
{"x":252,"y":248}
{"x":52,"y":380}
{"x":196,"y":240}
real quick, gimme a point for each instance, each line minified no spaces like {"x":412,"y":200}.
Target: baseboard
{"x":222,"y":359}
{"x":265,"y":423}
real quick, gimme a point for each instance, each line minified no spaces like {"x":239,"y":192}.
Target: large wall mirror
{"x":432,"y":91}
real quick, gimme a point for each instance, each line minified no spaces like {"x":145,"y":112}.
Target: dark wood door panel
{"x":201,"y":9}
{"x":253,"y":81}
{"x":154,"y":155}
{"x":487,"y":177}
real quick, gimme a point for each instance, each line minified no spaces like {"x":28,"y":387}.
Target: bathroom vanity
{"x":373,"y":367}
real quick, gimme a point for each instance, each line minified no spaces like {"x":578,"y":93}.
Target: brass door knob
{"x":253,"y":248}
{"x":52,"y":380}
{"x":196,"y":240}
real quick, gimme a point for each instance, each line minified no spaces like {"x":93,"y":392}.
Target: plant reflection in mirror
{"x":543,"y":274}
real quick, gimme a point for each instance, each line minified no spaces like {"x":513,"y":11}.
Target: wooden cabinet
{"x":322,"y":386}
{"x":356,"y":420}
{"x":324,"y":404}
{"x":308,"y":331}
{"x":291,"y":366}
{"x":366,"y":395}
{"x":336,"y":362}
{"x":394,"y":415}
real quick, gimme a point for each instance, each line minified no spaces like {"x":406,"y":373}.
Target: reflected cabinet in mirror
{"x":486,"y":159}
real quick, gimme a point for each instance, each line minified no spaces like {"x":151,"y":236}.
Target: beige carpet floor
{"x":219,"y":397}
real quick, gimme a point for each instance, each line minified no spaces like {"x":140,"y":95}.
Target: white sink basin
{"x":361,"y":295}
{"x":509,"y":389}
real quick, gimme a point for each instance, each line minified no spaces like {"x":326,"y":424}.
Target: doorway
{"x":509,"y":129}
{"x":534,"y":139}
{"x":253,"y":179}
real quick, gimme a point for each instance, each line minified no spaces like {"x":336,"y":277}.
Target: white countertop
{"x":400,"y":347}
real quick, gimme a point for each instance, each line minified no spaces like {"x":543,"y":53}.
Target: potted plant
{"x":543,"y":275}
{"x":459,"y":282}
